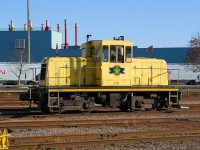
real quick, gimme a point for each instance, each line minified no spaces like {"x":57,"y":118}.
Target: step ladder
{"x":175,"y":97}
{"x":53,"y":100}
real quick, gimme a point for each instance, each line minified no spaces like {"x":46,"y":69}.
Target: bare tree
{"x":193,"y":54}
{"x":21,"y":60}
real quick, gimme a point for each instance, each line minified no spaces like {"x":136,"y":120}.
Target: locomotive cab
{"x":111,"y":58}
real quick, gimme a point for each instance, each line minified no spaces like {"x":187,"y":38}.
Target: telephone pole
{"x":29,"y":36}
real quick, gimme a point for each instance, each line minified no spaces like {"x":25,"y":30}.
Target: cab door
{"x":96,"y":50}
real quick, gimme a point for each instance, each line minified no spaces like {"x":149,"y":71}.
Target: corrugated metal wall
{"x":42,"y":43}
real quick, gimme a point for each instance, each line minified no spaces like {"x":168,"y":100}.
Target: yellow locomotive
{"x":107,"y":74}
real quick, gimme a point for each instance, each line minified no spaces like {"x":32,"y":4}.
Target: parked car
{"x":10,"y":82}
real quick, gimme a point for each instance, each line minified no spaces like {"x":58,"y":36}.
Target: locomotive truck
{"x":105,"y":74}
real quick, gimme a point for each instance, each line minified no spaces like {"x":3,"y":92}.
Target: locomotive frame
{"x":106,"y":74}
{"x":84,"y":98}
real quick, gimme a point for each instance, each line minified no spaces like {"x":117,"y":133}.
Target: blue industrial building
{"x":43,"y":44}
{"x":170,"y":55}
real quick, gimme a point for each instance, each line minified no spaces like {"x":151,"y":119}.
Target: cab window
{"x":128,"y":54}
{"x":43,"y":71}
{"x":112,"y":53}
{"x":121,"y":54}
{"x":92,"y":50}
{"x":83,"y":52}
{"x":98,"y":55}
{"x":105,"y":53}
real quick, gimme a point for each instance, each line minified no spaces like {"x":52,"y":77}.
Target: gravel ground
{"x":72,"y":131}
{"x":172,"y":145}
{"x":153,"y":145}
{"x":101,"y":129}
{"x":176,"y":145}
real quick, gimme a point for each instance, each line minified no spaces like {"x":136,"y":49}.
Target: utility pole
{"x":29,"y":36}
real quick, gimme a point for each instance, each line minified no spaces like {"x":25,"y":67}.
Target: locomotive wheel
{"x":88,"y":107}
{"x":160,"y":103}
{"x":54,"y":111}
{"x":87,"y":111}
{"x":124,"y":106}
{"x":44,"y":108}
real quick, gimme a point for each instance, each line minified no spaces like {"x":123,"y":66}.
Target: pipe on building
{"x":42,"y":27}
{"x":11,"y":26}
{"x":47,"y":25}
{"x":56,"y":49}
{"x":58,"y":27}
{"x":66,"y":45}
{"x":76,"y":34}
{"x":25,"y":27}
{"x":30,"y":23}
{"x":12,"y":23}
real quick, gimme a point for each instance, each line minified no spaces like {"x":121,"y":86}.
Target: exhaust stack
{"x":42,"y":27}
{"x":66,"y":45}
{"x":11,"y":26}
{"x":30,"y":25}
{"x":58,"y":27}
{"x":47,"y":25}
{"x":76,"y":34}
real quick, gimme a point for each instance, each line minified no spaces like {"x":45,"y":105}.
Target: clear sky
{"x":161,"y":23}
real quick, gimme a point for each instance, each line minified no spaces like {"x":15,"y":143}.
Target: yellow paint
{"x":4,"y":140}
{"x":69,"y":71}
{"x":132,"y":89}
{"x":92,"y":70}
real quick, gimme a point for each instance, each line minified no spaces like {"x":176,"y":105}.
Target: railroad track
{"x":114,"y":127}
{"x":33,"y":114}
{"x":26,"y":124}
{"x":80,"y":140}
{"x":9,"y":100}
{"x":150,"y":129}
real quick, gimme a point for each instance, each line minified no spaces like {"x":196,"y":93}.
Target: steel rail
{"x":90,"y":123}
{"x":102,"y":140}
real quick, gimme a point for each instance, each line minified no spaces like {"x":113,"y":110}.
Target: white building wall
{"x":8,"y":71}
{"x":182,"y":72}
